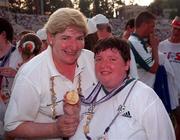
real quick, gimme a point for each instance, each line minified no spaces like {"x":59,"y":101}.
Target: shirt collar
{"x":54,"y":72}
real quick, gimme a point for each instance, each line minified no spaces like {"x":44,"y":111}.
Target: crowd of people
{"x":75,"y":79}
{"x":34,"y":22}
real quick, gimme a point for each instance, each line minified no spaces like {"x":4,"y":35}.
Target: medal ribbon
{"x":93,"y":95}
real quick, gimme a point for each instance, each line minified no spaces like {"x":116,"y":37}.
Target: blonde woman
{"x":38,"y":108}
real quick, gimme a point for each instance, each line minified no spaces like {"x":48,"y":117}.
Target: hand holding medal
{"x":71,"y":103}
{"x":72,"y":97}
{"x":70,"y":118}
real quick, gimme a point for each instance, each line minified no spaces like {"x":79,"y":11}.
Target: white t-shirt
{"x":144,"y":75}
{"x":172,"y":52}
{"x":148,"y":77}
{"x":133,"y":67}
{"x":149,"y":119}
{"x":31,"y":91}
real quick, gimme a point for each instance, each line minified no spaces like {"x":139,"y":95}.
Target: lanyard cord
{"x":93,"y":95}
{"x":121,"y":109}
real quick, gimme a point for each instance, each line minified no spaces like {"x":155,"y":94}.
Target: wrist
{"x":56,"y":130}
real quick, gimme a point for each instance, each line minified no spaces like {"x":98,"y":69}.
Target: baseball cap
{"x":176,"y":22}
{"x":91,"y":26}
{"x":41,"y":33}
{"x":100,"y":19}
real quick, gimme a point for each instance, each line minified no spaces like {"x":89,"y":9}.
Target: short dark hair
{"x":5,"y":26}
{"x":90,"y":41}
{"x":130,"y":23}
{"x":114,"y":43}
{"x":106,"y":26}
{"x":144,"y":17}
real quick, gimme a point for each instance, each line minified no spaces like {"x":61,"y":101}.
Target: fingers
{"x":67,"y":125}
{"x":71,"y":109}
{"x":154,"y":41}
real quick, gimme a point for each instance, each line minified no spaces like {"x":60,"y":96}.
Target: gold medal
{"x":72,"y":97}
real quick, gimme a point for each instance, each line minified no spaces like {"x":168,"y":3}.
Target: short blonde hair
{"x":65,"y":17}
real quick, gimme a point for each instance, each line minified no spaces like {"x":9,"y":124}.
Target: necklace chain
{"x":79,"y":89}
{"x":54,"y":98}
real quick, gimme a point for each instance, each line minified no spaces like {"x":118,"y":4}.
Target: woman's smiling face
{"x":67,"y":46}
{"x":110,"y":68}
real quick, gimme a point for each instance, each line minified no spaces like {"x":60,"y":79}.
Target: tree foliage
{"x":19,"y":6}
{"x":34,"y":6}
{"x":158,"y":6}
{"x":84,"y":6}
{"x":52,"y":5}
{"x":88,"y":7}
{"x":104,"y":7}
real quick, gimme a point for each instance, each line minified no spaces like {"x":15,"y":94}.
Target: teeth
{"x":71,"y":53}
{"x":105,"y":72}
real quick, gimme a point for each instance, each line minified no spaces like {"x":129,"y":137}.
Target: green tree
{"x":19,"y":6}
{"x":159,"y":5}
{"x":175,"y":4}
{"x":104,"y":7}
{"x":88,"y":7}
{"x":52,"y":5}
{"x":36,"y":6}
{"x":84,"y":6}
{"x":118,"y":3}
{"x":25,"y":6}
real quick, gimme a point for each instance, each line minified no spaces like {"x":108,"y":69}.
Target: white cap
{"x":91,"y":26}
{"x":41,"y":33}
{"x":100,"y":19}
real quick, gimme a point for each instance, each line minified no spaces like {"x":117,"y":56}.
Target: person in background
{"x":29,"y":46}
{"x":39,"y":107}
{"x":7,"y":71}
{"x":103,"y":26}
{"x":8,"y":59}
{"x":91,"y":38}
{"x":130,"y":109}
{"x":2,"y":112}
{"x":21,"y":34}
{"x":171,"y":48}
{"x":129,"y":28}
{"x":18,"y":53}
{"x":145,"y":43}
{"x":153,"y":68}
{"x":41,"y":33}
